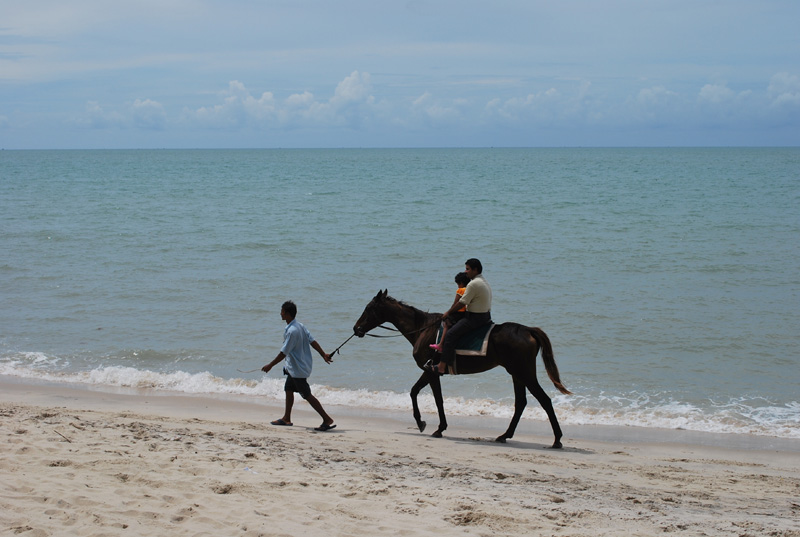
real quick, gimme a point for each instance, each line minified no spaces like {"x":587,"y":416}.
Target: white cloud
{"x":240,"y":108}
{"x":437,"y":112}
{"x":351,"y":111}
{"x":542,"y":108}
{"x":574,"y":104}
{"x":300,"y":100}
{"x":716,"y":93}
{"x":657,"y":95}
{"x":97,"y":117}
{"x":148,"y":114}
{"x":657,"y":105}
{"x":141,"y":114}
{"x":718,"y":106}
{"x":784,"y":90}
{"x":353,"y":89}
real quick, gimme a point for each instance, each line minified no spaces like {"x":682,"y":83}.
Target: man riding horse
{"x":478,"y":300}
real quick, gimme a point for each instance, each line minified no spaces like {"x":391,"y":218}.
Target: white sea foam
{"x":739,"y":416}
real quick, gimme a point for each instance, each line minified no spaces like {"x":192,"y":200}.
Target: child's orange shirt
{"x":460,"y":292}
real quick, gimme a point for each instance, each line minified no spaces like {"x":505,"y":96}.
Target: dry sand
{"x":91,"y":463}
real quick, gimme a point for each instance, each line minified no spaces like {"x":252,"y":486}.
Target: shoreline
{"x":91,"y":462}
{"x":226,"y":406}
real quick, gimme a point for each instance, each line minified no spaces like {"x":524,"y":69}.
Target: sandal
{"x":280,"y":421}
{"x":325,"y":427}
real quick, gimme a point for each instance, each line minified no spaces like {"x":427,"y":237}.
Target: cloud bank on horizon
{"x":242,"y":73}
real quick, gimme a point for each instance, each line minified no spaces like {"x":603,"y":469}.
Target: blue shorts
{"x":297,"y":385}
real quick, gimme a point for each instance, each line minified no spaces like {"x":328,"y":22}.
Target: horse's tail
{"x":549,"y":360}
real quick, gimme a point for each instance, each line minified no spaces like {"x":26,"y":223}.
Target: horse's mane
{"x":418,"y":313}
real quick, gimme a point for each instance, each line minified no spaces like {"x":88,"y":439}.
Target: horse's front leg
{"x":421,"y":383}
{"x":436,"y":388}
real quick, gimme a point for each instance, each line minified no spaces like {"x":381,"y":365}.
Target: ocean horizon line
{"x":346,"y":148}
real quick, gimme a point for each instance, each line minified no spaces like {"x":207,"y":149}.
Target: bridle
{"x":399,"y":334}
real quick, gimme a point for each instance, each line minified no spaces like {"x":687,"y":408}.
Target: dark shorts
{"x":297,"y":385}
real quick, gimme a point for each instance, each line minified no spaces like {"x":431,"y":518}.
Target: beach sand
{"x":79,"y":461}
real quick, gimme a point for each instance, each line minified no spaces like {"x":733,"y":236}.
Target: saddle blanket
{"x":473,"y":343}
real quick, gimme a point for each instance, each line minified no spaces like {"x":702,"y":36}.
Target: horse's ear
{"x":385,"y":293}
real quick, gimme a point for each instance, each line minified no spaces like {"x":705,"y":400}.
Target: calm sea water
{"x":667,"y":279}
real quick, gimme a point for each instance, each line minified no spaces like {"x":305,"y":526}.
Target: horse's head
{"x":373,"y":315}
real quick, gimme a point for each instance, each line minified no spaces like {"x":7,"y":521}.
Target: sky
{"x":87,"y":74}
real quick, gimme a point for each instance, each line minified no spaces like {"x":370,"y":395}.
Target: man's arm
{"x":326,"y":357}
{"x":457,"y":305}
{"x":461,"y":301}
{"x":274,"y":362}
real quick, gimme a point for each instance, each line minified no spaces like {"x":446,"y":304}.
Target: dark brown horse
{"x":511,"y":345}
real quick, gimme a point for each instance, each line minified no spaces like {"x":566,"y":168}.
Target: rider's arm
{"x":457,"y":305}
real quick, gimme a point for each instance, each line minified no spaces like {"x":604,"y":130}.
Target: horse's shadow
{"x":515,"y":445}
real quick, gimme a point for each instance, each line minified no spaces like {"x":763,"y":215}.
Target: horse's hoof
{"x":500,"y":439}
{"x":556,"y":445}
{"x":437,"y":434}
{"x":421,"y":425}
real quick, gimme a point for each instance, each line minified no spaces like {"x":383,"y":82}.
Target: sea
{"x":667,"y":279}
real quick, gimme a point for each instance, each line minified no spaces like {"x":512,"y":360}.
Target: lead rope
{"x":334,"y":352}
{"x":342,"y":345}
{"x":353,"y":335}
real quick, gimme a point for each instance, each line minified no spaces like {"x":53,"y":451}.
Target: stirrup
{"x":433,"y":368}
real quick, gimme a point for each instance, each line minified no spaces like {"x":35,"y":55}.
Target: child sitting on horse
{"x":461,"y":280}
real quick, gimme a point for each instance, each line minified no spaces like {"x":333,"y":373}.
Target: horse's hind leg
{"x":421,"y":383}
{"x":538,"y":392}
{"x":520,"y":400}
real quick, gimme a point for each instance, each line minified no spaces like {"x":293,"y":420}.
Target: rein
{"x":401,"y":333}
{"x":386,"y":328}
{"x":372,"y":335}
